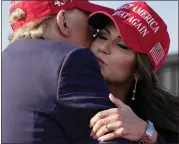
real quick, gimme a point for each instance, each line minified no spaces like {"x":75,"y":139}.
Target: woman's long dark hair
{"x":156,"y":103}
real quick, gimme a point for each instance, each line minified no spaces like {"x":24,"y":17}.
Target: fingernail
{"x":91,"y":134}
{"x":99,"y":139}
{"x":95,"y":137}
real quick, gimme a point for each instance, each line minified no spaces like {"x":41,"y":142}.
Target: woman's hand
{"x":117,"y":122}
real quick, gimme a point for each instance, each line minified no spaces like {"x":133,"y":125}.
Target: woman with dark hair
{"x":130,"y":46}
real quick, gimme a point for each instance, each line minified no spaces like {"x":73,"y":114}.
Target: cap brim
{"x":100,"y":19}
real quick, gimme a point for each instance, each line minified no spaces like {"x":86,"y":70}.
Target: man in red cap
{"x":51,"y":89}
{"x":59,"y":20}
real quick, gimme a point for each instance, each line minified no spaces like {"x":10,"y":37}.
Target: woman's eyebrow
{"x":105,"y":29}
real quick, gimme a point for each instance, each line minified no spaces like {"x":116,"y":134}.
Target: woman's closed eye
{"x":122,"y":46}
{"x":102,"y":37}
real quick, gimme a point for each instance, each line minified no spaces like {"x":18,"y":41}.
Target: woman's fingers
{"x":108,"y":128}
{"x":100,"y":124}
{"x":117,"y":122}
{"x":115,"y":134}
{"x":103,"y":114}
{"x":117,"y":102}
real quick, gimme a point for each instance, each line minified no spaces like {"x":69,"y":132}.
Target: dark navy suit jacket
{"x":50,"y":91}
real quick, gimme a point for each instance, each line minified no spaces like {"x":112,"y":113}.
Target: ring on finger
{"x":106,"y":128}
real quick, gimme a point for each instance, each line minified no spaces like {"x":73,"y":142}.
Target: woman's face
{"x":115,"y":59}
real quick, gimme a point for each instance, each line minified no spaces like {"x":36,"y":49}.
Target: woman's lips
{"x":101,"y":62}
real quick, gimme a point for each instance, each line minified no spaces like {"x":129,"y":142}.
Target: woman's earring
{"x":134,"y":90}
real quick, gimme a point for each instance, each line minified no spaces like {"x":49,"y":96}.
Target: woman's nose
{"x":105,"y":48}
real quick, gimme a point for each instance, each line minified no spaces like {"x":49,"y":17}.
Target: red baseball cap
{"x":141,"y":28}
{"x":42,"y":8}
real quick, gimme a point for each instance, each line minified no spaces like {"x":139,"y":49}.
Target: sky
{"x":168,"y":10}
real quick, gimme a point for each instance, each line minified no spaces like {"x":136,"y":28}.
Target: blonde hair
{"x":34,"y":30}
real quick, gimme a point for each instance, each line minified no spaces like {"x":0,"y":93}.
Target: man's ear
{"x":62,"y":22}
